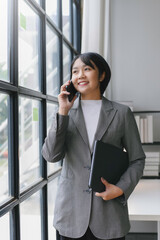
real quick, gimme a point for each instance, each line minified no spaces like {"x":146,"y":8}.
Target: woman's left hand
{"x":111,"y":192}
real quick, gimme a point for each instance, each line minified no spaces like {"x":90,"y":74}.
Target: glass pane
{"x":51,"y":109}
{"x":29,"y":60}
{"x":51,"y":9}
{"x":30,"y":215}
{"x":29,"y":141}
{"x":38,"y":1}
{"x":4,"y":42}
{"x":4,"y":227}
{"x":4,"y":186}
{"x":66,"y":63}
{"x":66,"y":19}
{"x":52,"y":188}
{"x":52,"y":62}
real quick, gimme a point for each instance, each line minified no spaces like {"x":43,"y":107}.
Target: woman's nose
{"x":81,"y":74}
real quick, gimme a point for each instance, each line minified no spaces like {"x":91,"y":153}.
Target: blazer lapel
{"x":78,"y":118}
{"x":107,"y":114}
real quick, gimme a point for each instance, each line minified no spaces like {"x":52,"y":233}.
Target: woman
{"x":79,"y":212}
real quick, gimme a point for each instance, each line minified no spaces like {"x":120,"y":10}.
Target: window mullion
{"x":43,"y":128}
{"x":79,"y":26}
{"x":59,"y":5}
{"x":13,"y":123}
{"x":44,"y":215}
{"x":71,"y":20}
{"x":15,"y":224}
{"x":14,"y":42}
{"x":13,"y":119}
{"x":14,"y":166}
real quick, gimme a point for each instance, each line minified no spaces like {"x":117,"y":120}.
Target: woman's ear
{"x":102,"y":77}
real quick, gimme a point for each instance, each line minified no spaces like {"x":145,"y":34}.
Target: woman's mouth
{"x":83,"y":83}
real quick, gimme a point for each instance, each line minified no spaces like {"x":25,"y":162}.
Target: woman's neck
{"x":91,"y":97}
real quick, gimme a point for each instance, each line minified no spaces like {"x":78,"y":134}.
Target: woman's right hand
{"x":64,"y":104}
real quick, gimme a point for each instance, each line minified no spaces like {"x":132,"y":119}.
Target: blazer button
{"x":87,"y":167}
{"x":88,"y":190}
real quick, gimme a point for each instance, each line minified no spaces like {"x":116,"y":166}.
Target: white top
{"x":91,"y":110}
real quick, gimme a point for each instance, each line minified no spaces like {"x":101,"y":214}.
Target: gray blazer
{"x":76,"y":207}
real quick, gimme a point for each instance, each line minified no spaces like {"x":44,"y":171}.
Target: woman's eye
{"x":87,"y":68}
{"x":74,"y":72}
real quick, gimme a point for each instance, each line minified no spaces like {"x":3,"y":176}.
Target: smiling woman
{"x":76,"y":126}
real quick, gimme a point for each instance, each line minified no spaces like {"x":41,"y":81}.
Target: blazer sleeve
{"x":53,"y":148}
{"x":132,"y":143}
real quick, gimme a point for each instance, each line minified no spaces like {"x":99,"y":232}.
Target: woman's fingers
{"x":64,"y":92}
{"x":63,"y":87}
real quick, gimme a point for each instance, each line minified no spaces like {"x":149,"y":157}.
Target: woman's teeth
{"x":82,"y":83}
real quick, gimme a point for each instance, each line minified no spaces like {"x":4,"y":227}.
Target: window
{"x":52,"y":67}
{"x":29,"y":58}
{"x":38,"y":1}
{"x":51,"y":109}
{"x":66,"y":13}
{"x":52,"y":10}
{"x":30,"y":215}
{"x":66,"y":62}
{"x":38,"y":41}
{"x":52,"y":187}
{"x":4,"y":176}
{"x":29,"y":131}
{"x":4,"y":226}
{"x":4,"y":43}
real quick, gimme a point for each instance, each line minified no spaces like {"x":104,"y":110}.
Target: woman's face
{"x":86,"y":80}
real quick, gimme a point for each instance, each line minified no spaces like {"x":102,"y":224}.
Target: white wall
{"x":135,"y":61}
{"x":135,"y":52}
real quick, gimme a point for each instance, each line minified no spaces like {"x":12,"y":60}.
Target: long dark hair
{"x":101,"y":64}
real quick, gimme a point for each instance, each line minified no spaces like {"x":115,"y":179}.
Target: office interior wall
{"x":135,"y":58}
{"x":135,"y":52}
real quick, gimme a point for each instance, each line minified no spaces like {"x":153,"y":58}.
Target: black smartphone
{"x":70,"y":88}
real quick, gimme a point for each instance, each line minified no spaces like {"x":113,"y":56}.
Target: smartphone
{"x":70,"y":88}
